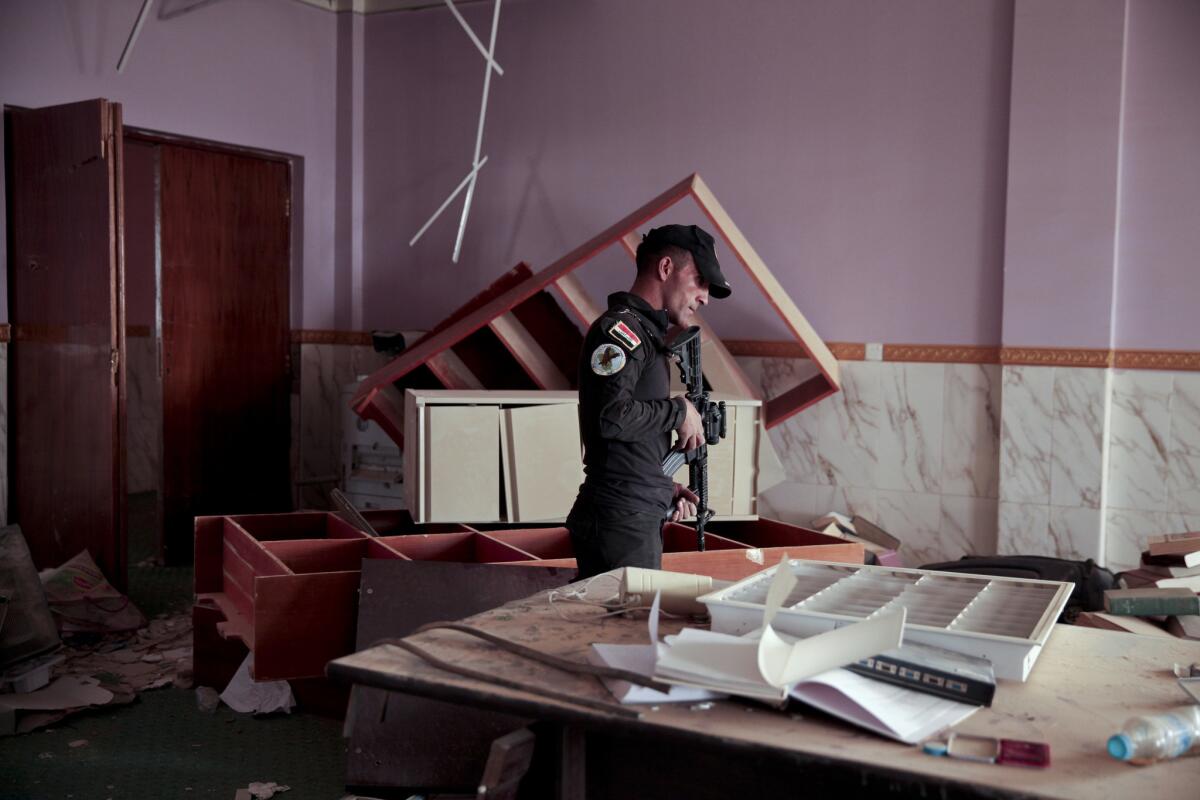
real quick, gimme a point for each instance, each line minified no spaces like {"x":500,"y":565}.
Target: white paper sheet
{"x":641,"y":658}
{"x":768,"y":663}
{"x":889,"y":710}
{"x":248,"y":696}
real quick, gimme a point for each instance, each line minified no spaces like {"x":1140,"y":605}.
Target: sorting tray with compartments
{"x":1005,"y":620}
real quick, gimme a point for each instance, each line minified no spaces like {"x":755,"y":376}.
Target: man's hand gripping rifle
{"x":685,"y":351}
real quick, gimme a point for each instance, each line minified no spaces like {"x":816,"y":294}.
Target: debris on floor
{"x":82,"y":599}
{"x":101,"y":669}
{"x":248,"y":696}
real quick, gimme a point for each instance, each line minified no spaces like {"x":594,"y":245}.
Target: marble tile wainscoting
{"x":324,"y":370}
{"x":1073,"y":462}
{"x":1094,"y":461}
{"x":911,"y":446}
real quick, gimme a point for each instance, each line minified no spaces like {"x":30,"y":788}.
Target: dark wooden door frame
{"x":190,"y":491}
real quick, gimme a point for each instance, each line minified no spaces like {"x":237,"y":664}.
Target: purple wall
{"x":1062,"y":174}
{"x":256,"y":73}
{"x":899,"y":165}
{"x":860,"y":146}
{"x":1158,"y":277}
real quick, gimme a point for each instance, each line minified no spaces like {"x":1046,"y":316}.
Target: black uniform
{"x":626,"y":418}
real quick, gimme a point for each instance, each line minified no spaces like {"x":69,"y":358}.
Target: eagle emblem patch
{"x":607,"y":359}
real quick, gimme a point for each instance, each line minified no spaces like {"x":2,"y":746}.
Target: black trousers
{"x":605,"y":538}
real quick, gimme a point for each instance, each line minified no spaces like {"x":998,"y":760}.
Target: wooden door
{"x":226,"y":392}
{"x":66,"y":301}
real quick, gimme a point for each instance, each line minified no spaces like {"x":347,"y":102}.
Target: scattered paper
{"x":64,"y":693}
{"x":763,"y":664}
{"x":263,"y":791}
{"x":892,"y":711}
{"x":640,"y":658}
{"x":248,"y":696}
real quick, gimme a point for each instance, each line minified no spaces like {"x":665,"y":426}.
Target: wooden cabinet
{"x":480,"y":456}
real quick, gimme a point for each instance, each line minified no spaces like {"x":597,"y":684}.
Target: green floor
{"x":162,"y":746}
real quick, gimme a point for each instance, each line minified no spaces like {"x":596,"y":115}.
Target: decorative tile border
{"x":1173,"y":360}
{"x":349,"y":338}
{"x":765,"y":348}
{"x":1056,"y":356}
{"x":1170,"y":360}
{"x":942,"y":353}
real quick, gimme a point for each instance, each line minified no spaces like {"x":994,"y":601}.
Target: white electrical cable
{"x":448,"y":201}
{"x":133,"y":34}
{"x":487,"y":82}
{"x":474,"y":39}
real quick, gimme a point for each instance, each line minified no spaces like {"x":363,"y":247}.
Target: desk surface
{"x":1086,"y":683}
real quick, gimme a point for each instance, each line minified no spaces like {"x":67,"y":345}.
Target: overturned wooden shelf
{"x":515,"y":335}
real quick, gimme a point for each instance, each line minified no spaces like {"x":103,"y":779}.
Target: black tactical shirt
{"x":626,"y":415}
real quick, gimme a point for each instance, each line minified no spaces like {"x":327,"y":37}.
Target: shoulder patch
{"x":607,"y":359}
{"x":625,"y":335}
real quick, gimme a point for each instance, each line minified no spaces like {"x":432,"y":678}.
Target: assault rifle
{"x":685,"y":351}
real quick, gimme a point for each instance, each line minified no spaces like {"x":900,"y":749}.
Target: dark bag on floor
{"x":1089,"y":579}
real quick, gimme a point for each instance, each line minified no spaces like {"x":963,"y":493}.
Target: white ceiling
{"x":380,"y":6}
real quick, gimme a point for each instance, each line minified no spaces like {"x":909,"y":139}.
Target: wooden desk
{"x":1086,"y":683}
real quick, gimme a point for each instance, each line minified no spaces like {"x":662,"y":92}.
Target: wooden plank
{"x":433,"y":547}
{"x":489,"y":550}
{"x":66,"y":301}
{"x":578,"y":300}
{"x":745,"y":468}
{"x":430,"y":397}
{"x":327,"y":602}
{"x":762,"y":276}
{"x":461,"y":461}
{"x":319,"y":555}
{"x":210,"y":539}
{"x":297,"y":525}
{"x":452,"y":372}
{"x":427,"y":348}
{"x":514,"y":277}
{"x":528,"y":353}
{"x":795,"y":400}
{"x":541,"y":542}
{"x":414,"y":422}
{"x":721,"y":465}
{"x":545,"y":466}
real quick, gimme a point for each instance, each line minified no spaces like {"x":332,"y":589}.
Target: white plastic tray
{"x":1005,"y":620}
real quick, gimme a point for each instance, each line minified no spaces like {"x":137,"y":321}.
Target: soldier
{"x":626,"y":414}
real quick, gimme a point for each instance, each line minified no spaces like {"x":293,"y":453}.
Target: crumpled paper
{"x":248,"y":696}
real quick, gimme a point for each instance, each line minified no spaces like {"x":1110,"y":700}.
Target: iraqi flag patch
{"x":625,"y":335}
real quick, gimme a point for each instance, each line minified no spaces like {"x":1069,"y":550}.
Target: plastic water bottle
{"x":1156,"y":737}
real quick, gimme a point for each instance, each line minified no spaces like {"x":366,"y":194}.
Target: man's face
{"x":684,"y":291}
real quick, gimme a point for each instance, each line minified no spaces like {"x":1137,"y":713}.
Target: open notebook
{"x":766,"y":666}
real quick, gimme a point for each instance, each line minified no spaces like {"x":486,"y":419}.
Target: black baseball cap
{"x":699,"y":243}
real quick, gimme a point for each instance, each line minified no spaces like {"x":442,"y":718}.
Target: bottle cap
{"x":934,"y":748}
{"x":1120,"y":746}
